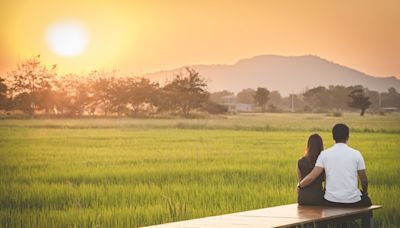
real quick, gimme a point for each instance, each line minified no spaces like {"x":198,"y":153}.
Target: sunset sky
{"x":148,"y":36}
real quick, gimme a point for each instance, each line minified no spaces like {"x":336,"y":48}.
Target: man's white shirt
{"x":341,"y":164}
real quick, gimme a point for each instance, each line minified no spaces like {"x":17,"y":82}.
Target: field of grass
{"x":126,"y":173}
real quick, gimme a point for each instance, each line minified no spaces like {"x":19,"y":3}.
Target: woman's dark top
{"x":313,"y":193}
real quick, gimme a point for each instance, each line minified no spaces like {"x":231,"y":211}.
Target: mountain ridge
{"x":286,"y":74}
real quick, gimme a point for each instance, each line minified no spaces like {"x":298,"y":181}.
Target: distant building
{"x":230,"y":102}
{"x":389,"y":109}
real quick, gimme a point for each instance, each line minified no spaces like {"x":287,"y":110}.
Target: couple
{"x":338,"y":166}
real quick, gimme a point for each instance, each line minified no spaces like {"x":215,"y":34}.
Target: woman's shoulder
{"x":303,"y":162}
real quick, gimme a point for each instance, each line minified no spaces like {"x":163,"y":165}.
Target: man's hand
{"x":311,"y":176}
{"x":298,"y":188}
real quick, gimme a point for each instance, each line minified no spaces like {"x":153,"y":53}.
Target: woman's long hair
{"x":314,"y":148}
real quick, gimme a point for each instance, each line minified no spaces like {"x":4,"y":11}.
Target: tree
{"x":186,"y":93}
{"x":120,"y":95}
{"x":77,"y":96}
{"x":261,"y":98}
{"x":4,"y":104}
{"x":391,"y":98}
{"x":359,"y":100}
{"x":30,"y":80}
{"x":274,"y":101}
{"x":101,"y":88}
{"x":318,"y":98}
{"x":61,"y":94}
{"x":23,"y":101}
{"x":338,"y":97}
{"x":140,"y":91}
{"x":246,"y":96}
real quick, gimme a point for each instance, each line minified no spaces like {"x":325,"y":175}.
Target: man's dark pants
{"x":364,"y":202}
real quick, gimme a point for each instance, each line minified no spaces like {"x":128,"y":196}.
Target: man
{"x":342,"y":164}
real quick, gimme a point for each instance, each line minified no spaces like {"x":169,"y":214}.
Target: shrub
{"x":215,"y":108}
{"x":337,"y":114}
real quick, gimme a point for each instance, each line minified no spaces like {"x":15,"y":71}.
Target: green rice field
{"x":137,"y":172}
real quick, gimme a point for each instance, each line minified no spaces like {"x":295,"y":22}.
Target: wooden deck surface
{"x":280,"y":216}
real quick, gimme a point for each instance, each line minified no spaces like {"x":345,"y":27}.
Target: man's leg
{"x":364,"y":202}
{"x":366,"y":220}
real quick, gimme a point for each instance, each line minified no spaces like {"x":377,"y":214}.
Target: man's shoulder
{"x":354,"y":151}
{"x":327,"y":151}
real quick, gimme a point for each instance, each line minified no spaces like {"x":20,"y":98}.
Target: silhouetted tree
{"x":79,"y":97}
{"x":391,"y":98}
{"x":359,"y":100}
{"x":261,"y":98}
{"x":60,"y":95}
{"x":246,"y":96}
{"x":4,"y":102}
{"x":101,"y":88}
{"x":318,"y":98}
{"x":274,"y":101}
{"x":338,"y":97}
{"x":23,"y":101}
{"x":30,"y":80}
{"x":141,"y":91}
{"x":120,"y":95}
{"x":186,"y":93}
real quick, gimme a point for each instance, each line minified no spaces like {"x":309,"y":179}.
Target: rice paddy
{"x":128,"y":173}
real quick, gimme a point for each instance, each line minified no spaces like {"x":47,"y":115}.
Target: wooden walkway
{"x":281,"y":216}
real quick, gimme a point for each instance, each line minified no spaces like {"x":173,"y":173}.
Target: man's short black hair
{"x":340,"y":133}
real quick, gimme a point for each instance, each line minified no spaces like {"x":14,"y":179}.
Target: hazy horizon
{"x":149,"y":36}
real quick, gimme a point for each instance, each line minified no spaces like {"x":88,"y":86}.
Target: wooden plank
{"x":306,"y":212}
{"x":280,"y":216}
{"x":231,"y":221}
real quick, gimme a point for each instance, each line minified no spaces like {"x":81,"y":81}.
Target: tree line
{"x":318,"y":99}
{"x":34,"y":88}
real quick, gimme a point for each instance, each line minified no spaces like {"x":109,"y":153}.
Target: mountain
{"x":283,"y":73}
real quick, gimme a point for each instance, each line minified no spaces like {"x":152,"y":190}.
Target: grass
{"x":261,"y":122}
{"x":126,"y":173}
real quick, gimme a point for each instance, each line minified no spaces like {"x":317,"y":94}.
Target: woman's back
{"x":313,"y":193}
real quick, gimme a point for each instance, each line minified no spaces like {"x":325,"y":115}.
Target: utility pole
{"x":380,"y":100}
{"x":292,"y":96}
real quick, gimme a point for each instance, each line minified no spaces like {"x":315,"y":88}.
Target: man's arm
{"x":364,"y":180}
{"x":311,"y":176}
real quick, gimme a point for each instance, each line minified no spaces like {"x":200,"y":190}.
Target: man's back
{"x":341,"y":164}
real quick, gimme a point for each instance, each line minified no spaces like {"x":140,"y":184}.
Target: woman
{"x":312,"y":194}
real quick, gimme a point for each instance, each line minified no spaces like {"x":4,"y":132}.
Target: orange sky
{"x":146,"y":36}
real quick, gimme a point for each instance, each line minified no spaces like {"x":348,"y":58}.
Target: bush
{"x":337,"y":114}
{"x":307,"y":108}
{"x":272,"y":108}
{"x":215,"y":108}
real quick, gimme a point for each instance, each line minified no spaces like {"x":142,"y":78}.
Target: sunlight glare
{"x":67,"y":38}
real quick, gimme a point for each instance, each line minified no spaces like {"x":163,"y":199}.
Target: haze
{"x":148,"y":36}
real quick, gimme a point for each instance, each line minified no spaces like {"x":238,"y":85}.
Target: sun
{"x":67,"y":38}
